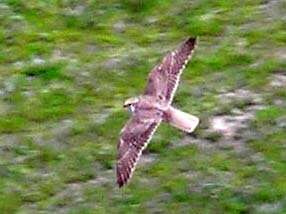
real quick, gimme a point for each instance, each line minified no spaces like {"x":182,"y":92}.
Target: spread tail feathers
{"x":182,"y":120}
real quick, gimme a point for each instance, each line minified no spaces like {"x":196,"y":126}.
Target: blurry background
{"x":66,"y":68}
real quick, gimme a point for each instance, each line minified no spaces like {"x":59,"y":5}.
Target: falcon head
{"x":129,"y":103}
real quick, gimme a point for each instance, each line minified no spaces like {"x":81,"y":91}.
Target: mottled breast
{"x":148,"y":107}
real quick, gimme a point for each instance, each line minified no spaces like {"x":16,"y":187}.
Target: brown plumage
{"x":154,"y":106}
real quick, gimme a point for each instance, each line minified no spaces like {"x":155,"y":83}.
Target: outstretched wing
{"x":134,"y":138}
{"x":164,"y":78}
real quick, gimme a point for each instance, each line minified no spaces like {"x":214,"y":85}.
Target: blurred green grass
{"x":65,"y":69}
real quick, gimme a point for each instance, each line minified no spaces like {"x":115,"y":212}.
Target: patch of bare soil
{"x":229,"y":124}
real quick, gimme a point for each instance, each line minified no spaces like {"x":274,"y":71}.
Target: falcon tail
{"x":182,"y":120}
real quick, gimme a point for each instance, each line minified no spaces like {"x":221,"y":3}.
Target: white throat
{"x":131,"y":108}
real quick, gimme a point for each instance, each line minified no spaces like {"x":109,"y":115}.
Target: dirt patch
{"x":278,"y":80}
{"x":146,"y":159}
{"x":229,"y":124}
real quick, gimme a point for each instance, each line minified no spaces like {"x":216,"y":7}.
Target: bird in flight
{"x":153,"y":107}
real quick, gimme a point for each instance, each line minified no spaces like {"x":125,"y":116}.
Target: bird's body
{"x":146,"y":103}
{"x":153,"y":107}
{"x":149,"y":107}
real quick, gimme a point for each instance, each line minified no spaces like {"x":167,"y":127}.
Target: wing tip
{"x":192,"y":41}
{"x":123,"y":176}
{"x":192,"y":38}
{"x":120,"y":183}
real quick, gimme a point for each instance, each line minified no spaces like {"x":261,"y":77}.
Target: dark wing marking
{"x":134,"y":138}
{"x":164,"y":78}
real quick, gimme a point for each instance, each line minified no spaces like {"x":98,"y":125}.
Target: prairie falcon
{"x":153,"y":107}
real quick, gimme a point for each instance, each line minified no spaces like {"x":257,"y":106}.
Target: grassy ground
{"x":66,"y":67}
